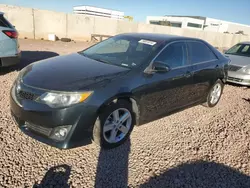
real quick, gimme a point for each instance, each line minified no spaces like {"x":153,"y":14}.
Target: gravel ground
{"x":198,"y":147}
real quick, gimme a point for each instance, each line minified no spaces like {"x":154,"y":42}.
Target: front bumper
{"x":238,"y":78}
{"x":10,"y":61}
{"x":82,"y":118}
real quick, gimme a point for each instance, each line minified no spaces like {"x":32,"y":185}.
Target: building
{"x":199,"y":23}
{"x":175,"y":21}
{"x":95,"y":11}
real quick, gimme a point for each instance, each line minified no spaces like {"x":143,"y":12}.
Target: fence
{"x":37,"y":24}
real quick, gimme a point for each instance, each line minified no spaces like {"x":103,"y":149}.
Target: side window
{"x":199,"y":52}
{"x":245,"y":49}
{"x":174,"y":55}
{"x":239,"y":49}
{"x":234,"y":49}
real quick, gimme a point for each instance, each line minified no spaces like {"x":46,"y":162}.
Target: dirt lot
{"x":198,"y":147}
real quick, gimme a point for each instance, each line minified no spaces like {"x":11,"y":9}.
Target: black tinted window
{"x":4,"y":22}
{"x":174,"y":55}
{"x":199,"y":52}
{"x":194,"y":25}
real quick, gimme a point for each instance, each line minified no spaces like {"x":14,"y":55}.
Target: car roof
{"x":157,"y":37}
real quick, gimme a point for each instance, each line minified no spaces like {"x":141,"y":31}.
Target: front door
{"x":168,"y":91}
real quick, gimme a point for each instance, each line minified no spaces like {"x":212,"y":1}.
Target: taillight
{"x":11,"y":34}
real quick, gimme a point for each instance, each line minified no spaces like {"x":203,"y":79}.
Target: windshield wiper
{"x":97,"y":59}
{"x":101,"y":60}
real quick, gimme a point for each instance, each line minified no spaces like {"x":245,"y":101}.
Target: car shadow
{"x":57,"y":176}
{"x":112,"y":171}
{"x":200,"y":174}
{"x":237,"y":85}
{"x":28,"y":57}
{"x":112,"y":167}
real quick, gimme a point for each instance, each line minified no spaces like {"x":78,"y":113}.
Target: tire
{"x":65,"y":39}
{"x":99,"y":135}
{"x":210,"y":103}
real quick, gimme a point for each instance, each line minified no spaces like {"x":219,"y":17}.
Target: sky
{"x":228,"y":10}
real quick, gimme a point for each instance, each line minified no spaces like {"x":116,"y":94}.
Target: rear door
{"x":204,"y":67}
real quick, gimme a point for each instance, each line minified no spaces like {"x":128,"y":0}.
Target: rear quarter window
{"x":200,"y":52}
{"x":4,"y":22}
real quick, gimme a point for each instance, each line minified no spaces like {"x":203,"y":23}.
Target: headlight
{"x":246,"y":70}
{"x":57,"y":100}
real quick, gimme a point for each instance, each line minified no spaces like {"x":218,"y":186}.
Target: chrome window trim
{"x":189,"y":65}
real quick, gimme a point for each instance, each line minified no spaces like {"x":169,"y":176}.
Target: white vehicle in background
{"x":9,"y":46}
{"x":239,"y":68}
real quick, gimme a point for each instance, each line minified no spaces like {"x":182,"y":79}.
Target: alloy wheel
{"x":215,"y":93}
{"x":117,"y":125}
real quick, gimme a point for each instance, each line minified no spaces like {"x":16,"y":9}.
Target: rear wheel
{"x":114,"y":124}
{"x":214,"y":94}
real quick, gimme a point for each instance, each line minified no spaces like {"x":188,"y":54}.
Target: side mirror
{"x":160,"y":67}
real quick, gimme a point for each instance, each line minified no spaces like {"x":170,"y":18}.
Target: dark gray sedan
{"x":239,"y":68}
{"x":102,"y":92}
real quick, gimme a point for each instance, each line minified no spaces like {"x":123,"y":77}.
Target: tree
{"x":240,"y":32}
{"x":129,"y":18}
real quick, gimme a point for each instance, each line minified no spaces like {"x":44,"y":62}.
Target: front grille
{"x":234,"y":68}
{"x":26,"y":95}
{"x":235,"y":79}
{"x":39,"y":129}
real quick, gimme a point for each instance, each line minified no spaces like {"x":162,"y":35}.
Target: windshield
{"x":123,"y":51}
{"x":240,"y":49}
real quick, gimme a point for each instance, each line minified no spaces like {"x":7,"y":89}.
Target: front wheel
{"x":214,"y":94}
{"x":114,"y":124}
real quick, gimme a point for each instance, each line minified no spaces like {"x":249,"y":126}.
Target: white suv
{"x":9,"y":46}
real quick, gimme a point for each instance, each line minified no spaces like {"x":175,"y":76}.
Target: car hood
{"x":69,"y":73}
{"x":239,"y":60}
